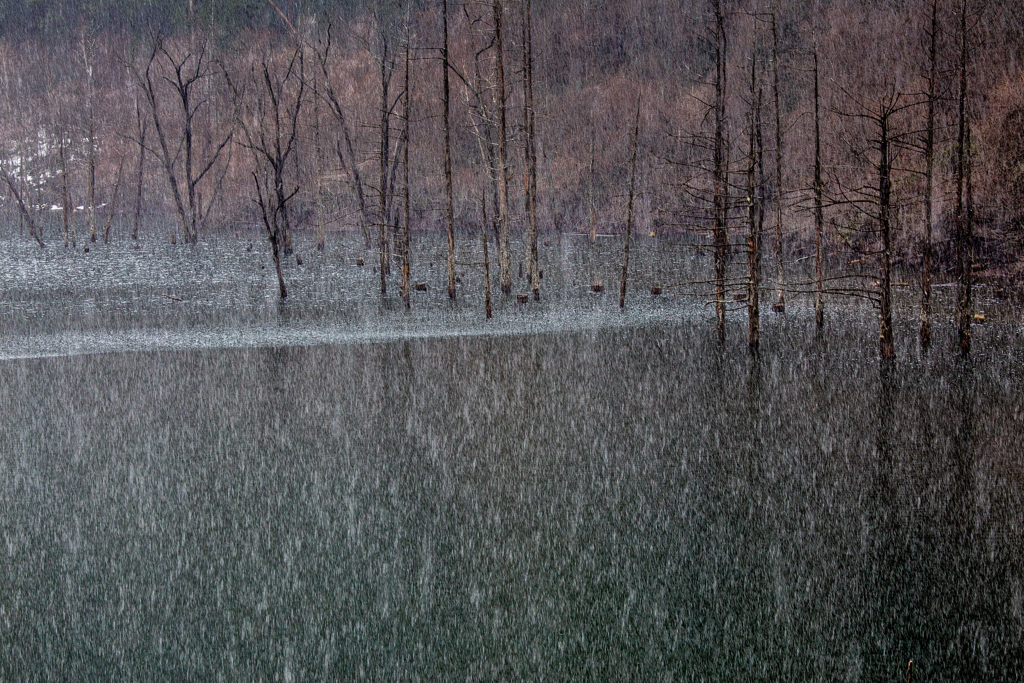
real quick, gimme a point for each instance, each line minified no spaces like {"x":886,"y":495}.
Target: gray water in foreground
{"x":332,"y":488}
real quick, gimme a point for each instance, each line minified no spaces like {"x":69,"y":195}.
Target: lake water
{"x":227,"y":487}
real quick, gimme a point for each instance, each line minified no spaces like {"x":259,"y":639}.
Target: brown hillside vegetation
{"x":85,"y":93}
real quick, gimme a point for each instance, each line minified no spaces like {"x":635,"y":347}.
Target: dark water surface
{"x":335,"y":489}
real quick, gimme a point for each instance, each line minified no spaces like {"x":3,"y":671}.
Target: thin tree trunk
{"x":819,"y":215}
{"x":886,"y":346}
{"x":319,"y":162}
{"x":629,"y":209}
{"x":449,"y":192}
{"x":531,"y":150}
{"x":382,"y":219}
{"x":487,"y":260}
{"x":780,"y":284}
{"x":593,"y":208}
{"x":69,"y":227}
{"x":753,"y":233}
{"x":12,"y":185}
{"x":113,"y":203}
{"x":929,"y":160}
{"x":504,"y":246}
{"x":406,"y":299}
{"x":143,"y":125}
{"x":720,"y":208}
{"x":92,"y":143}
{"x":963,"y":230}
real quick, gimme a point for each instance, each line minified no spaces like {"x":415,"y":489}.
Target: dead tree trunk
{"x":12,"y":186}
{"x":504,"y":246}
{"x":346,"y":154}
{"x":406,"y":298}
{"x":753,"y":207}
{"x":780,"y":280}
{"x":487,"y":260}
{"x":629,"y":209}
{"x":318,"y":159}
{"x":142,"y":127}
{"x":531,"y":150}
{"x":384,"y":152}
{"x":819,"y":214}
{"x":113,"y":203}
{"x":69,"y":224}
{"x":963,"y":236}
{"x":720,"y":229}
{"x":929,"y":162}
{"x":886,"y":346}
{"x":449,"y":192}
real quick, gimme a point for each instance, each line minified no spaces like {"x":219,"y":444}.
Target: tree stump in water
{"x":597,"y":287}
{"x":421,"y":286}
{"x":522,"y":298}
{"x":656,"y":290}
{"x":360,"y":262}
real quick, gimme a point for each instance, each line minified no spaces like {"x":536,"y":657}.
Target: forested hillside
{"x":191,"y":115}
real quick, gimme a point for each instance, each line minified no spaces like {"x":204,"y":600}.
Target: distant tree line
{"x":859,"y":136}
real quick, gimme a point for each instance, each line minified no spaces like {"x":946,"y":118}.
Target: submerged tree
{"x":964,"y":210}
{"x":186,"y":154}
{"x":269,"y":103}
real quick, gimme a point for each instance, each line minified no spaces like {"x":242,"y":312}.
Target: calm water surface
{"x":230,"y":488}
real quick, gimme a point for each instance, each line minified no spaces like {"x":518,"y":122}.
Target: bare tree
{"x":755,"y":212}
{"x":927,"y":249}
{"x":186,"y":161}
{"x":780,"y":280}
{"x":269,"y":104}
{"x":503,"y":223}
{"x":963,"y":210}
{"x":819,"y":212}
{"x":407,"y":115}
{"x":449,"y":193}
{"x":629,"y":209}
{"x":344,"y":147}
{"x":530,"y":149}
{"x":720,"y":201}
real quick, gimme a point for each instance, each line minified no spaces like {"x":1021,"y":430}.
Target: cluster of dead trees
{"x":756,"y":124}
{"x":878,"y":176}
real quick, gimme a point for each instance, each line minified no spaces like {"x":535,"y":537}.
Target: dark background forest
{"x":74,"y":110}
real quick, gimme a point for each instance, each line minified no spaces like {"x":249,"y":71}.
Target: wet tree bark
{"x":780,"y":281}
{"x":592,"y":189}
{"x":449,"y":192}
{"x":487,"y":260}
{"x":91,"y":140}
{"x":318,"y":160}
{"x":142,"y":125}
{"x":406,"y":285}
{"x":963,"y":227}
{"x":69,"y":224}
{"x":113,"y":203}
{"x":384,"y":152}
{"x":886,"y":346}
{"x":720,"y":236}
{"x":504,"y":246}
{"x":753,"y":208}
{"x":819,"y":215}
{"x":929,"y":162}
{"x":530,"y":151}
{"x":629,"y":209}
